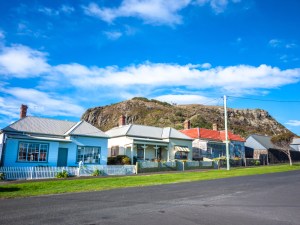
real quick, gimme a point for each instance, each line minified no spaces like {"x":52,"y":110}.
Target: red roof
{"x":211,"y":134}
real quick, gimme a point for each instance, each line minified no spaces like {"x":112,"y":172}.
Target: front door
{"x":62,"y":157}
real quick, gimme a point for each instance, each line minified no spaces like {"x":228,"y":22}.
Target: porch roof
{"x":30,"y":137}
{"x":149,"y":140}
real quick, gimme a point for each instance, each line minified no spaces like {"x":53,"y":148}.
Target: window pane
{"x":32,"y":152}
{"x":22,"y":151}
{"x":88,"y":154}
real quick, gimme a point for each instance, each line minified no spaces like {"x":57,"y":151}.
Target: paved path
{"x":272,"y":199}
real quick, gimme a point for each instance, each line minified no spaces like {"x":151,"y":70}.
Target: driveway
{"x":262,"y":199}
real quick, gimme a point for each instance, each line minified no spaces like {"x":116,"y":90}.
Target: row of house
{"x":35,"y":141}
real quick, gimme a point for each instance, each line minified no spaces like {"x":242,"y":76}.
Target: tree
{"x":283,"y":141}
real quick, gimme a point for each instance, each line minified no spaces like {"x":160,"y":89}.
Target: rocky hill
{"x":155,"y":113}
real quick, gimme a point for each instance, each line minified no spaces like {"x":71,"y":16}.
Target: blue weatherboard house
{"x":35,"y":141}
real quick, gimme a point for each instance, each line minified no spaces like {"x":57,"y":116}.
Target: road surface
{"x":262,"y":200}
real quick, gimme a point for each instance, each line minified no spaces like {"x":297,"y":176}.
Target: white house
{"x":148,"y":143}
{"x":35,"y":141}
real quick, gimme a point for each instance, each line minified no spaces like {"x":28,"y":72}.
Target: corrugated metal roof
{"x":46,"y":126}
{"x":296,"y":141}
{"x":145,"y":131}
{"x":178,"y":135}
{"x":118,"y":131}
{"x":264,"y":141}
{"x":203,"y":133}
{"x":135,"y":130}
{"x":39,"y":125}
{"x":86,"y":129}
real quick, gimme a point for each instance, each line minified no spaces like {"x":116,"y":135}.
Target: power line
{"x":264,"y":100}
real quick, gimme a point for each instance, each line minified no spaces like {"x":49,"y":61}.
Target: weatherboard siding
{"x":90,"y":141}
{"x":179,"y":142}
{"x":12,"y":149}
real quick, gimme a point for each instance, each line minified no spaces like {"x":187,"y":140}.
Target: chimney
{"x":215,"y":126}
{"x":23,"y":111}
{"x":187,"y":125}
{"x":122,"y":121}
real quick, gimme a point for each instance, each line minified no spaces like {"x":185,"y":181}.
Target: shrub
{"x":111,"y":160}
{"x":2,"y":176}
{"x":96,"y":173}
{"x":257,"y":163}
{"x":126,"y":161}
{"x":62,"y":174}
{"x":119,"y":160}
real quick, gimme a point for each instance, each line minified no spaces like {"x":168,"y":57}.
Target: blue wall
{"x":12,"y":147}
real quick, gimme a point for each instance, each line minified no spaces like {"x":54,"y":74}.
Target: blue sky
{"x":62,"y":57}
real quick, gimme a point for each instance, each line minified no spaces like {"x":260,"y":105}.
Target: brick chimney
{"x":215,"y":126}
{"x":23,"y":111}
{"x":187,"y":125}
{"x":122,"y":121}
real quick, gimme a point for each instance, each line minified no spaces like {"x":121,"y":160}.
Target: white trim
{"x":73,"y":128}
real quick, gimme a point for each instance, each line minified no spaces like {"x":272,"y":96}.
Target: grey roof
{"x":264,"y":141}
{"x":135,"y":130}
{"x":39,"y":125}
{"x":296,"y":141}
{"x":86,"y":129}
{"x":46,"y":126}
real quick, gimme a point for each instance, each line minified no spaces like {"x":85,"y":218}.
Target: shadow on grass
{"x":5,"y":189}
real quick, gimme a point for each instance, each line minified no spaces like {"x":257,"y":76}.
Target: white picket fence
{"x":149,"y":164}
{"x":28,"y":173}
{"x":108,"y":170}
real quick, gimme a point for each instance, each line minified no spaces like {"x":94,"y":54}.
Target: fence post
{"x":136,"y":167}
{"x":31,"y":173}
{"x":183,"y":166}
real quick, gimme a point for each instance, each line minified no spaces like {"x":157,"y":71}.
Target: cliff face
{"x":161,"y":114}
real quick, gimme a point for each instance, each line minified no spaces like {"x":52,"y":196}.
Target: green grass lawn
{"x":33,"y":188}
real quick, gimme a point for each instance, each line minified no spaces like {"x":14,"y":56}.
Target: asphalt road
{"x":261,"y":200}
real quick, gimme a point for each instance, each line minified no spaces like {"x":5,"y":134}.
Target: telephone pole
{"x":226,"y":134}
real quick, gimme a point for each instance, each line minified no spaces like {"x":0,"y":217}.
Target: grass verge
{"x":34,"y":188}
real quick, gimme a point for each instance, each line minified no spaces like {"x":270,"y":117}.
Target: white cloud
{"x":158,"y":12}
{"x":63,"y":9}
{"x":113,"y":35}
{"x":40,"y":103}
{"x":48,"y":11}
{"x":2,"y":35}
{"x":67,"y":9}
{"x":187,"y":99}
{"x":294,"y":123}
{"x":240,"y":78}
{"x":150,"y":11}
{"x":206,"y":66}
{"x":276,"y":43}
{"x":21,"y":61}
{"x":218,"y":6}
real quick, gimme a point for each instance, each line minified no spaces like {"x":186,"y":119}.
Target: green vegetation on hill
{"x":152,"y":112}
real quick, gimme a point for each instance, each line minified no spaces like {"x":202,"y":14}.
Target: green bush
{"x":257,"y":163}
{"x":2,"y":176}
{"x":126,"y":161}
{"x":96,"y":173}
{"x":119,"y":160}
{"x":111,"y":160}
{"x":62,"y":174}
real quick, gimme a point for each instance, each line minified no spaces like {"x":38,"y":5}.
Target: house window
{"x":181,"y":155}
{"x":114,"y":151}
{"x":32,"y":152}
{"x":140,"y":152}
{"x":88,"y":154}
